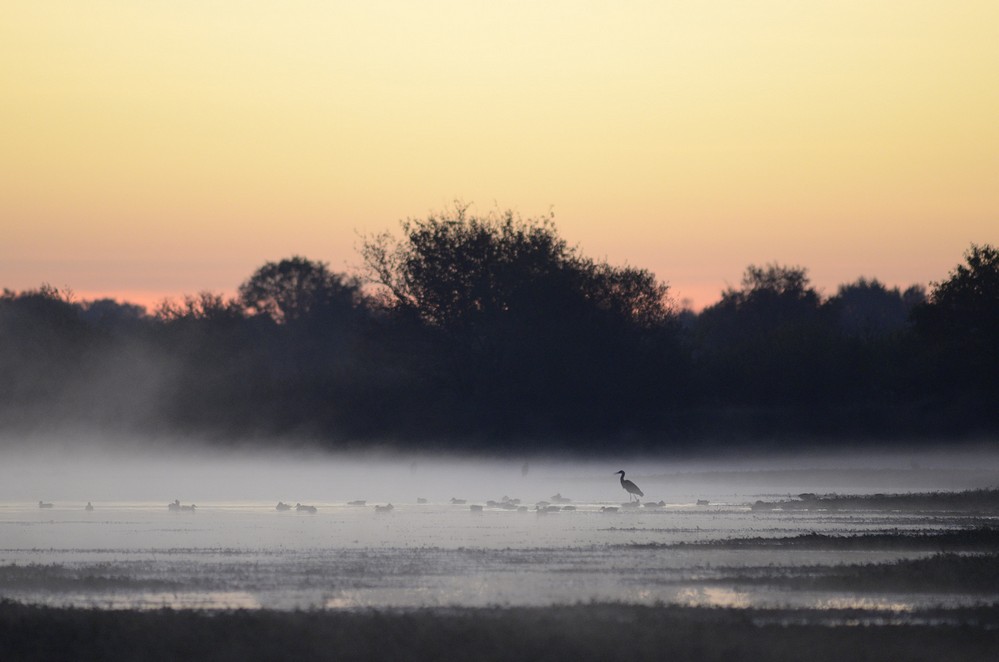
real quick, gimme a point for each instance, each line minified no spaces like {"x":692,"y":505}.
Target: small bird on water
{"x":630,"y":487}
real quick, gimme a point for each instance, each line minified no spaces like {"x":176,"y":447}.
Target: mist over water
{"x":236,"y":550}
{"x":162,"y":471}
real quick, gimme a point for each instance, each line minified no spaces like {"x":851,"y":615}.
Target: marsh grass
{"x":978,"y":539}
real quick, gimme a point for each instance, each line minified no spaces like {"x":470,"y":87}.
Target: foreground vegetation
{"x":494,"y":330}
{"x":593,"y":632}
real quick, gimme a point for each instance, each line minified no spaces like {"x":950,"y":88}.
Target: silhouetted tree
{"x":203,"y":306}
{"x":41,"y":322}
{"x":296,"y":288}
{"x":959,"y":329}
{"x":456,"y":270}
{"x":768,"y":343}
{"x":866,"y":308}
{"x":316,"y":340}
{"x":493,"y":327}
{"x":875,"y":356}
{"x":771,"y":299}
{"x":530,"y":332}
{"x":112,"y":315}
{"x":966,"y":305}
{"x":44,"y":348}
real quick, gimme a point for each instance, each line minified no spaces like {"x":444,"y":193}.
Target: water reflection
{"x":704,"y":596}
{"x":206,"y":600}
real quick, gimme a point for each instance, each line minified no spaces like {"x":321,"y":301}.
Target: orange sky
{"x":164,"y":147}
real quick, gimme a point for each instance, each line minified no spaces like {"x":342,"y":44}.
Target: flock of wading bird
{"x":556,"y":504}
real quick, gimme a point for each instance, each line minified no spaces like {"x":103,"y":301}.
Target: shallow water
{"x":240,"y":552}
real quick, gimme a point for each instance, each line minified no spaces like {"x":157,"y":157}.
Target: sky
{"x":157,"y":148}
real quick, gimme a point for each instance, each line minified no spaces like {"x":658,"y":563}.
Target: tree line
{"x":492,"y":331}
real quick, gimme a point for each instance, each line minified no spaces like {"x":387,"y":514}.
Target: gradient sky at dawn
{"x":158,"y":148}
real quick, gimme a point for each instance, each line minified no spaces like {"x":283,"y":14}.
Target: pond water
{"x":133,"y":552}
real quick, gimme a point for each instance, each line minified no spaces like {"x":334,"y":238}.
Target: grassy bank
{"x":977,"y":539}
{"x":587,"y":632}
{"x":984,"y":501}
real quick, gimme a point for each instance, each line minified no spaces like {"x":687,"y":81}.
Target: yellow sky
{"x":163,"y":147}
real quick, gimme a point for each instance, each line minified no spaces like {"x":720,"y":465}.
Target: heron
{"x":630,"y":487}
